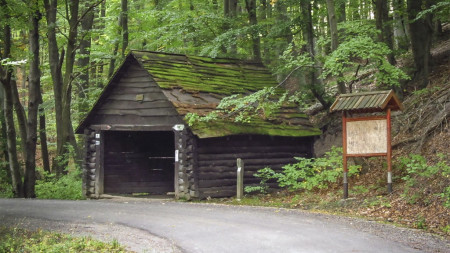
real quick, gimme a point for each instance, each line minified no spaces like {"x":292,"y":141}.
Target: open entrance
{"x":138,"y":162}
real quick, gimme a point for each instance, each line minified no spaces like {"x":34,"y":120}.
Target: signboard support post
{"x":344,"y":152}
{"x":389,"y":151}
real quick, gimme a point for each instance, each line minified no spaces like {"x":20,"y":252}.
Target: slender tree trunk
{"x":421,"y":34}
{"x":308,"y":34}
{"x":124,"y":5}
{"x":5,"y":80}
{"x":122,"y":16}
{"x":84,"y":58}
{"x":383,"y":23}
{"x":62,"y":88}
{"x":400,"y":21}
{"x":43,"y":140}
{"x":250,"y":5}
{"x":334,"y":38}
{"x":21,"y":117}
{"x":34,"y":87}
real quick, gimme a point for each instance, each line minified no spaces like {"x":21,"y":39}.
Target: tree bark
{"x":313,"y":83}
{"x":383,"y":24}
{"x":62,"y":87}
{"x":21,"y":117}
{"x":34,"y":87}
{"x":400,"y":32}
{"x":334,"y":38}
{"x":124,"y":5}
{"x":5,"y":79}
{"x":84,"y":58}
{"x":250,"y":5}
{"x":421,"y":34}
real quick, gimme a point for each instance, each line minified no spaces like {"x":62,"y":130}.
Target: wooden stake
{"x":240,"y":179}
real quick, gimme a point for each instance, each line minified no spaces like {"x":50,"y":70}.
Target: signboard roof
{"x":374,"y":101}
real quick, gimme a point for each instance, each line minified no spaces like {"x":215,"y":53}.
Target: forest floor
{"x":422,"y":128}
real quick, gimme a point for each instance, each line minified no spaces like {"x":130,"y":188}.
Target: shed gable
{"x":133,"y":98}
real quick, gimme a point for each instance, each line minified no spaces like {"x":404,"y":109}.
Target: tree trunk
{"x":400,"y":33}
{"x":84,"y":58}
{"x":5,"y":79}
{"x":21,"y":117}
{"x":124,"y":5}
{"x":334,"y":38}
{"x":421,"y":34}
{"x":43,"y":140}
{"x":250,"y":5}
{"x":313,"y":83}
{"x":62,"y":87}
{"x":34,"y":87}
{"x":383,"y":24}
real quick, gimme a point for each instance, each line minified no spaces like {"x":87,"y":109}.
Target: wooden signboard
{"x":366,"y":136}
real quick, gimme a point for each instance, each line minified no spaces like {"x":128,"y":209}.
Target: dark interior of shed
{"x":139,"y":162}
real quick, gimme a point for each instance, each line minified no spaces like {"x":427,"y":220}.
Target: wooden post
{"x":389,"y":151}
{"x":344,"y":153}
{"x":240,"y":179}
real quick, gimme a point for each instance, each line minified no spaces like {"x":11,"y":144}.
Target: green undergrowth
{"x":22,"y":240}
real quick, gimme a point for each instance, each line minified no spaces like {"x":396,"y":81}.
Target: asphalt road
{"x":219,"y":228}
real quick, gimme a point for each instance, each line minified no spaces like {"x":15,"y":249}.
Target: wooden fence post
{"x":240,"y":179}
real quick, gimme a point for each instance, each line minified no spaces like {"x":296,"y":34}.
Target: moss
{"x":257,"y":126}
{"x":195,"y":73}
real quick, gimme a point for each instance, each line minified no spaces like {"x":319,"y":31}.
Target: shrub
{"x":420,"y":176}
{"x":309,"y":173}
{"x":68,"y":186}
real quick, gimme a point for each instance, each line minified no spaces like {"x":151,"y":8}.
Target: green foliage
{"x":420,"y":174}
{"x":68,"y":186}
{"x":20,"y":240}
{"x":265,"y":175}
{"x":241,"y":108}
{"x":440,"y":9}
{"x":5,"y":185}
{"x":315,"y":173}
{"x":310,"y":173}
{"x":361,"y":55}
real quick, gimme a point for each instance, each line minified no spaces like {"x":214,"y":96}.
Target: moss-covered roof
{"x":197,"y":84}
{"x":203,"y":74}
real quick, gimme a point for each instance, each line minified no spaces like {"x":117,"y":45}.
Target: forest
{"x":57,"y":55}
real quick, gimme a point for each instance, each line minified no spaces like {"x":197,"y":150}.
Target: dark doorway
{"x":139,"y":162}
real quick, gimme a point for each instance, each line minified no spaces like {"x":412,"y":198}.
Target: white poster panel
{"x":367,"y":137}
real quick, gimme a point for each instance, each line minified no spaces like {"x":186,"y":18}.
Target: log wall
{"x":89,"y":164}
{"x":134,"y":98}
{"x":216,"y":160}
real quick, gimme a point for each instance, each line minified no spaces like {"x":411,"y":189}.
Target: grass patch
{"x":22,"y":240}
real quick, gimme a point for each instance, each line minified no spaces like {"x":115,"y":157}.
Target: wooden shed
{"x":137,"y":141}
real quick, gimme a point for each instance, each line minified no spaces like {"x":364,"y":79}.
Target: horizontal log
{"x":132,"y":97}
{"x":248,"y":155}
{"x":135,"y":79}
{"x":136,"y":90}
{"x":263,"y":148}
{"x":216,"y":183}
{"x":168,"y":111}
{"x":232,"y":163}
{"x":116,"y":104}
{"x":136,"y":120}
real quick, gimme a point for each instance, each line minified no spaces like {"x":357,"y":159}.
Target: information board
{"x":367,"y":137}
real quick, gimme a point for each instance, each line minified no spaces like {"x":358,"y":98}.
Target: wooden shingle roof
{"x":373,"y":101}
{"x":193,"y":84}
